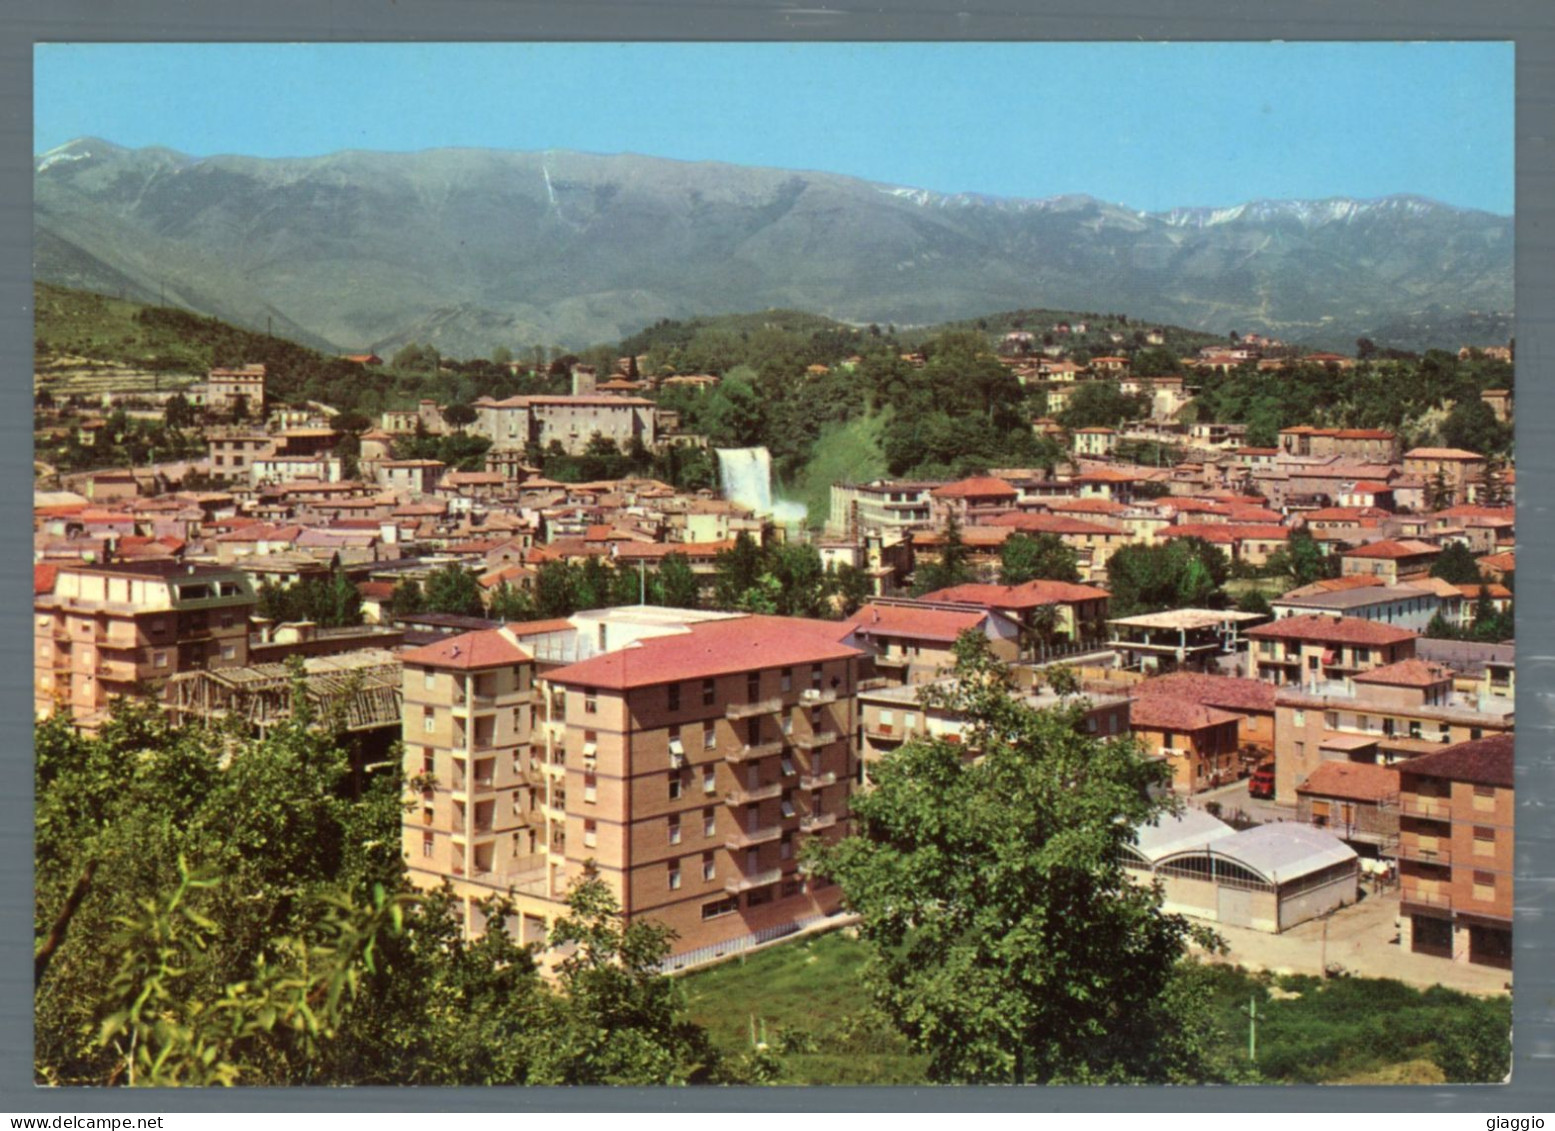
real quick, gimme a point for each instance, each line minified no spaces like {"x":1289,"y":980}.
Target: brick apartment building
{"x":1302,"y":649}
{"x":1455,"y":852}
{"x":682,"y":757}
{"x":105,"y":631}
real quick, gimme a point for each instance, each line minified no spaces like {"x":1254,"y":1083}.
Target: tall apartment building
{"x":104,"y":631}
{"x":1455,"y":852}
{"x":682,"y":757}
{"x":1386,"y":716}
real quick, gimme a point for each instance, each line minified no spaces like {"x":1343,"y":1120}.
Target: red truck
{"x":1261,"y":784}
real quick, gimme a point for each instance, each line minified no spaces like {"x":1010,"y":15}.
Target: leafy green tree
{"x":1184,"y":573}
{"x":616,"y":1020}
{"x":178,"y":412}
{"x":408,"y":598}
{"x":737,"y":570}
{"x":1102,"y":404}
{"x":1302,"y":560}
{"x":1456,"y":564}
{"x":952,"y":567}
{"x":676,"y":585}
{"x":1007,"y":942}
{"x":1254,"y":601}
{"x":511,"y":604}
{"x":459,"y":416}
{"x":1478,"y":1048}
{"x":1472,"y":425}
{"x":1025,"y":558}
{"x":454,"y":590}
{"x":555,"y":591}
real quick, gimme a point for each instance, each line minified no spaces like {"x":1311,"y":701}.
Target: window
{"x":1484,"y":841}
{"x":1331,"y":720}
{"x":674,"y":786}
{"x":1299,"y":718}
{"x":1476,"y":733}
{"x":590,"y":743}
{"x":1485,"y":886}
{"x":426,"y":844}
{"x":709,"y":779}
{"x":229,"y":651}
{"x":590,"y":703}
{"x":426,"y":722}
{"x":160,"y":659}
{"x":672,"y":697}
{"x":753,"y":686}
{"x":788,"y":679}
{"x":674,"y":830}
{"x":428,"y":680}
{"x":787,"y":805}
{"x":1387,"y":728}
{"x":590,"y":788}
{"x":909,"y":720}
{"x":726,"y":906}
{"x":707,"y":693}
{"x":710,"y":737}
{"x":788,"y":766}
{"x":786,"y":847}
{"x":590,"y":834}
{"x":674,"y":875}
{"x":1485,"y":798}
{"x":1414,"y":728}
{"x":815,"y":678}
{"x":709,"y":868}
{"x":709,"y":822}
{"x":1169,"y":741}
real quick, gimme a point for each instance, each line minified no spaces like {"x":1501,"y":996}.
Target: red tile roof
{"x":491,"y":648}
{"x":1352,"y":781}
{"x":1052,"y":524}
{"x":919,"y":624}
{"x":1442,"y":453}
{"x":1406,"y":673}
{"x":43,"y":578}
{"x":1485,"y":761}
{"x":711,"y":648}
{"x":1031,"y":595}
{"x":1326,"y":630}
{"x":985,"y":486}
{"x":1392,"y":549}
{"x":1228,"y":692}
{"x":1166,"y":712}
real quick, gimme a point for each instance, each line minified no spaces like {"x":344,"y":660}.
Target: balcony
{"x":746,"y":838}
{"x":817,"y":781}
{"x":889,"y":661}
{"x":475,"y":703}
{"x":750,"y":753}
{"x":819,"y":697}
{"x":816,"y":822}
{"x":884,"y":732}
{"x":753,"y":708}
{"x":1426,"y":852}
{"x":1425,"y":897}
{"x":118,"y":671}
{"x":736,"y":884}
{"x":1414,"y":805}
{"x":811,"y":741}
{"x":739,"y":796}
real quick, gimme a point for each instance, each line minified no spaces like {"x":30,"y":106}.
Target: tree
{"x":453,"y":590}
{"x":1007,"y":942}
{"x":1478,"y":1049}
{"x":408,"y":598}
{"x":1024,"y":558}
{"x":502,"y":356}
{"x":675,"y":584}
{"x":952,"y":567}
{"x":1302,"y":560}
{"x":1184,"y":573}
{"x":1472,"y":425}
{"x":460,"y":416}
{"x":178,"y":412}
{"x":617,"y":1020}
{"x":1456,"y":564}
{"x":737,"y":570}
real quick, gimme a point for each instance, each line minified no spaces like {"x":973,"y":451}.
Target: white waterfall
{"x":746,"y":475}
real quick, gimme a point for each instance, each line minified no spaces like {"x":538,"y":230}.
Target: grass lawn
{"x":807,"y":996}
{"x":844,"y":453}
{"x":808,"y":999}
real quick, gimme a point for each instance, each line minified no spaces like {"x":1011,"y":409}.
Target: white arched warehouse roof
{"x":1279,"y":852}
{"x":1180,"y":832}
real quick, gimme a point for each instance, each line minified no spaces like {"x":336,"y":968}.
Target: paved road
{"x":1363,"y":939}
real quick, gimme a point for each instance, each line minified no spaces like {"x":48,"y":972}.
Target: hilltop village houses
{"x":686,"y":755}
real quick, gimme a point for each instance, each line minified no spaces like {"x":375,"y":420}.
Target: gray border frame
{"x":1528,"y":22}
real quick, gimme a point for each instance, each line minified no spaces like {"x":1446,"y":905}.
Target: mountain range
{"x":473,"y":249}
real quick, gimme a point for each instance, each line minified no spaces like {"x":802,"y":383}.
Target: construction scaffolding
{"x":356,"y":691}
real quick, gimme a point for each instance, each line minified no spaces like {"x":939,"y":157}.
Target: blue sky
{"x":1152,"y":126}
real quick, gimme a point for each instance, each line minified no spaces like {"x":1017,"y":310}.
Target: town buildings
{"x":1456,"y":813}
